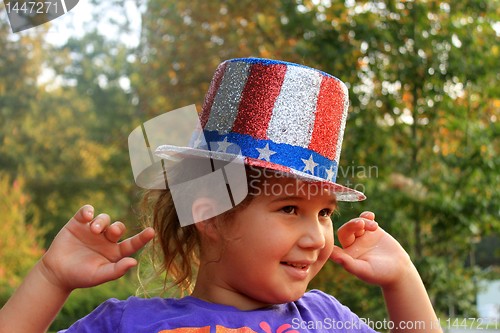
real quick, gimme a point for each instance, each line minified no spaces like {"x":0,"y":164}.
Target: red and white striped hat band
{"x":278,"y":115}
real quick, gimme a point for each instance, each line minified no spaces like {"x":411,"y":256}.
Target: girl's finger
{"x":359,"y":268}
{"x":133,"y":244}
{"x":367,"y":215}
{"x":114,"y":232}
{"x":371,"y":225}
{"x":348,"y":232}
{"x":342,"y":258}
{"x":100,"y":223}
{"x":113,"y":271}
{"x":85,"y":214}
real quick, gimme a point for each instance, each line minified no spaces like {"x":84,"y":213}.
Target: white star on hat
{"x":309,"y":164}
{"x":265,"y":153}
{"x":330,"y":173}
{"x":223,"y":145}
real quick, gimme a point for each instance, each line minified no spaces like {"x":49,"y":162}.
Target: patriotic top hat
{"x":277,"y":115}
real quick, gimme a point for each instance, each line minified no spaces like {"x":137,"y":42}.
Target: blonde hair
{"x":175,"y":249}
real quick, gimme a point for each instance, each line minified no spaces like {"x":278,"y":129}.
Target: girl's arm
{"x":34,"y":305}
{"x":376,"y":257}
{"x":408,"y":304}
{"x":85,"y":253}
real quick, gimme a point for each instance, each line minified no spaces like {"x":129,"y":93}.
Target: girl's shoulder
{"x":319,"y":299}
{"x":314,"y":303}
{"x":321,"y":312}
{"x":114,"y":314}
{"x":314,"y":311}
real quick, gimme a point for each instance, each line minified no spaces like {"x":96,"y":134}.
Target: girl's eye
{"x":325,"y":212}
{"x":288,"y":209}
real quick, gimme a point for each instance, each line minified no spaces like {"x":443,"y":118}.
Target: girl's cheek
{"x":329,"y":238}
{"x":327,"y":250}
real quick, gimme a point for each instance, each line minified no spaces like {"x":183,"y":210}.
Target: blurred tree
{"x":93,"y":113}
{"x":20,"y":239}
{"x":183,"y":42}
{"x":70,"y":142}
{"x":20,"y":65}
{"x":65,"y":114}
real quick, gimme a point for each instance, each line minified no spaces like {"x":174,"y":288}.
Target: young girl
{"x":253,"y":262}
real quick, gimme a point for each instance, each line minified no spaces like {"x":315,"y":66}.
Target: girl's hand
{"x":369,"y":252}
{"x":86,"y":251}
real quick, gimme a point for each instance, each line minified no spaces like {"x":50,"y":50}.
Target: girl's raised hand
{"x":86,"y":251}
{"x":369,"y":252}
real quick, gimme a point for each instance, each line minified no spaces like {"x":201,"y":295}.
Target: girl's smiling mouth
{"x":295,"y":265}
{"x":298,"y":270}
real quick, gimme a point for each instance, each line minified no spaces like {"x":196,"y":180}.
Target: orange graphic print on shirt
{"x":206,"y":329}
{"x":285,"y":328}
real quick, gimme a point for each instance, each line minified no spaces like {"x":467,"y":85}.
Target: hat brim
{"x":176,"y":153}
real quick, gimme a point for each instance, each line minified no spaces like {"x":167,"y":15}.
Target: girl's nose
{"x":313,"y":235}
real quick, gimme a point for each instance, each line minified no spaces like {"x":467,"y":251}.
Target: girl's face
{"x":272,"y":248}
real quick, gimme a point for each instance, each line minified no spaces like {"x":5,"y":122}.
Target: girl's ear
{"x":203,"y":214}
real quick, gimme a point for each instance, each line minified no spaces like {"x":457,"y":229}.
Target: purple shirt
{"x":313,"y":312}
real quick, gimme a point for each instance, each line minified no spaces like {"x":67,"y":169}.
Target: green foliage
{"x":70,"y":142}
{"x":65,"y":140}
{"x":20,"y":63}
{"x":453,"y":288}
{"x":183,"y":42}
{"x":20,"y":236}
